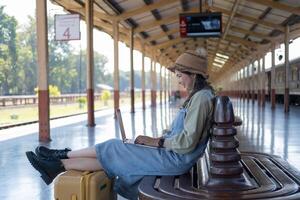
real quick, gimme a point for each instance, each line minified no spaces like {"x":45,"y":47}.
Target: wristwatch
{"x":161,"y":142}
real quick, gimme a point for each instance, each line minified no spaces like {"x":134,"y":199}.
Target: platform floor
{"x":269,"y":131}
{"x":263,"y":130}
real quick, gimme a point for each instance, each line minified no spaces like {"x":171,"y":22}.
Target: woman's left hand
{"x":146,"y":140}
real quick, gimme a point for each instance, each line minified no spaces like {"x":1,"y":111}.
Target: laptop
{"x":122,"y":130}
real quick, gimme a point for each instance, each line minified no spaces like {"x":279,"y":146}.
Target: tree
{"x":27,"y":57}
{"x":8,"y":52}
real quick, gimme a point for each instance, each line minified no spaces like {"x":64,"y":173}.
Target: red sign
{"x":182,"y":26}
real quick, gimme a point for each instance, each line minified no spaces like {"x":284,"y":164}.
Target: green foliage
{"x":8,"y":53}
{"x":53,"y":91}
{"x":82,"y":100}
{"x":27,"y":57}
{"x":105,"y":96}
{"x":14,"y":116}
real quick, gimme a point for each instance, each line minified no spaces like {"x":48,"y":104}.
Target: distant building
{"x":100,"y":87}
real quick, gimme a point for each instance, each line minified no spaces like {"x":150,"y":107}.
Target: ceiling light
{"x":217,"y":65}
{"x":222,"y":55}
{"x":220,"y":61}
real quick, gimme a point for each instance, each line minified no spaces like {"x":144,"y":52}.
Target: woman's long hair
{"x":200,"y":83}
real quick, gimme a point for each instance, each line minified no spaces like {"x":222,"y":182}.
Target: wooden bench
{"x":225,"y":173}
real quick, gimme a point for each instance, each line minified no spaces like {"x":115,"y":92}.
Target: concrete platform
{"x":263,"y":131}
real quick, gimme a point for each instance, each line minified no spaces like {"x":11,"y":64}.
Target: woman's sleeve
{"x":197,"y":116}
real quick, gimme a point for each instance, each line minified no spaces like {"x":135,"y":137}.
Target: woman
{"x":178,"y":149}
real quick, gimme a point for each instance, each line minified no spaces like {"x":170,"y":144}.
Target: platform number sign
{"x":67,"y":27}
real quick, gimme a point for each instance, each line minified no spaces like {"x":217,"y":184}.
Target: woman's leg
{"x":82,"y":164}
{"x":89,"y":152}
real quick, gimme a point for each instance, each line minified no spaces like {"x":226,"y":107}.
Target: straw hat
{"x":194,"y":62}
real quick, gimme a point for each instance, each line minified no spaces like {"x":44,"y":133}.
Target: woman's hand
{"x":146,"y":140}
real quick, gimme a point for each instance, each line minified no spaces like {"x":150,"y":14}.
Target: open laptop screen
{"x":121,"y":125}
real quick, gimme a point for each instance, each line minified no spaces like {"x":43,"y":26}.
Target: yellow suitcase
{"x":78,"y":185}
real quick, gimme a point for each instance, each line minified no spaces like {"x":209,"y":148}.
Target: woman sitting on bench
{"x":174,"y":153}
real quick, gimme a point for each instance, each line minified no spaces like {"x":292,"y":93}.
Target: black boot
{"x":48,"y":168}
{"x":44,"y":152}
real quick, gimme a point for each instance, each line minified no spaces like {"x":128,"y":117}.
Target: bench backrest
{"x":223,"y":160}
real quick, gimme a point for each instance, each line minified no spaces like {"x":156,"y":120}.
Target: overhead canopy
{"x":249,"y":27}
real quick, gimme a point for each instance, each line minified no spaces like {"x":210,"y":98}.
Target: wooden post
{"x":90,"y":62}
{"x":42,"y":60}
{"x":160,"y":84}
{"x":273,"y":78}
{"x":263,"y":84}
{"x":131,"y":71}
{"x":259,"y":82}
{"x":165,"y":84}
{"x":143,"y":77}
{"x":252,"y":80}
{"x":240,"y":93}
{"x":154,"y":82}
{"x":235,"y":82}
{"x":153,"y":99}
{"x":244,"y":82}
{"x":240,"y":82}
{"x":239,"y":88}
{"x":287,"y":70}
{"x":248,"y":83}
{"x":116,"y":64}
{"x":169,"y":85}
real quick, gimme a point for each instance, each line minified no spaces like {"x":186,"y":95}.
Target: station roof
{"x":250,"y":27}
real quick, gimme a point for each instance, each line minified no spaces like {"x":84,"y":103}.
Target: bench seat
{"x":271,"y":177}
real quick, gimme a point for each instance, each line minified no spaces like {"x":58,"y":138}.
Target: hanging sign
{"x":67,"y":27}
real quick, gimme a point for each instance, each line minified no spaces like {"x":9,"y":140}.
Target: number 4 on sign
{"x":67,"y":33}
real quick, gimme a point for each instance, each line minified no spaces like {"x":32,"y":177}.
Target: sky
{"x":103,"y":43}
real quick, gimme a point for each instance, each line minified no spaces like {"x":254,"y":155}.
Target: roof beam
{"x":169,"y":43}
{"x":163,"y":21}
{"x":252,"y":33}
{"x":155,"y":23}
{"x":174,"y":52}
{"x":160,"y":35}
{"x":248,"y":18}
{"x":279,"y":6}
{"x":241,"y":41}
{"x":146,"y":8}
